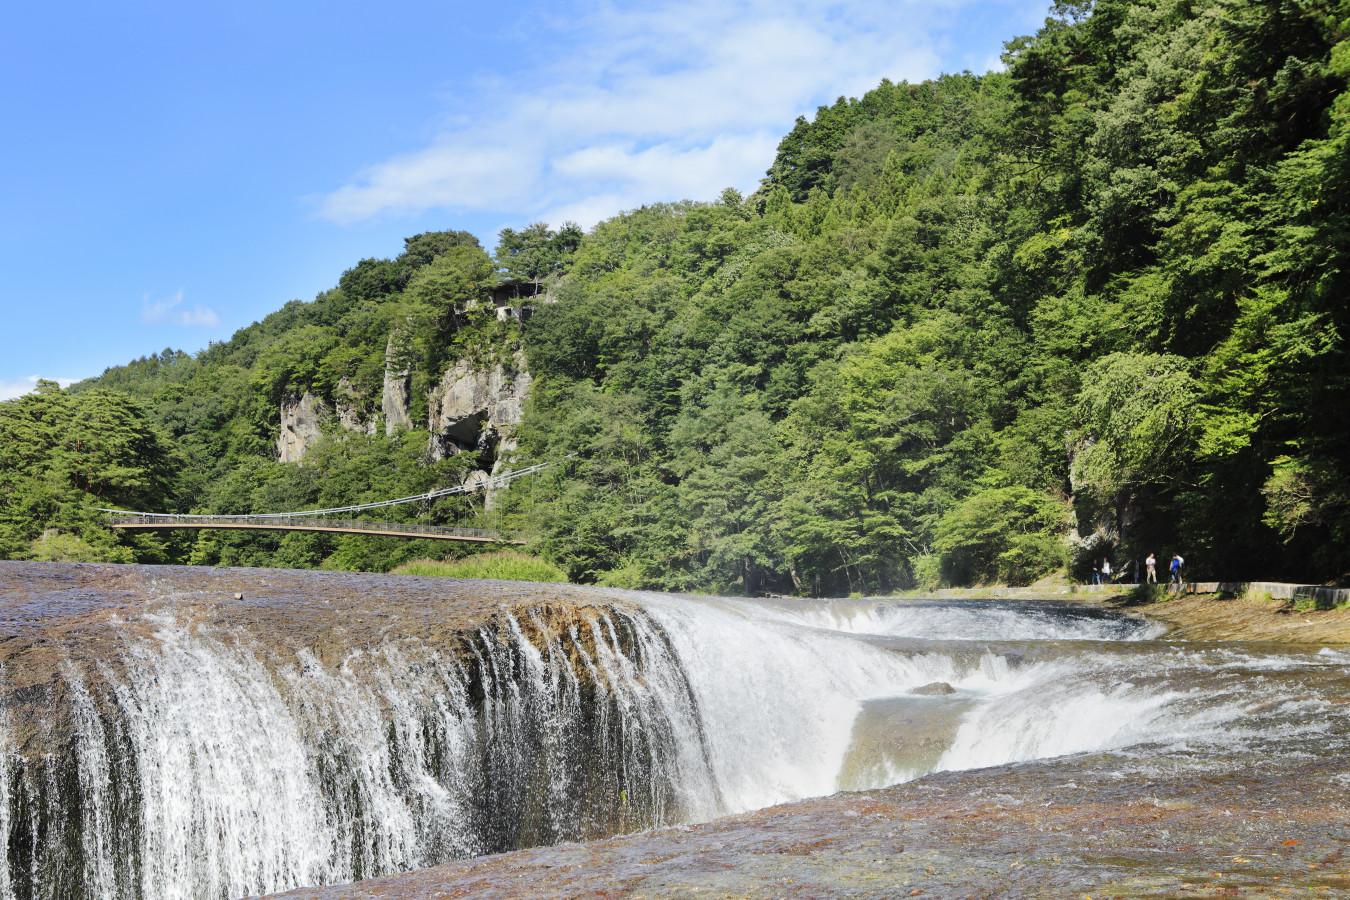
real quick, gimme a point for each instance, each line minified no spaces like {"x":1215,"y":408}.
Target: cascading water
{"x":197,"y":769}
{"x":182,"y":758}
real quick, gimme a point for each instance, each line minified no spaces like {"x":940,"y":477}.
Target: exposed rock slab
{"x":397,"y":389}
{"x":1037,"y":830}
{"x":475,"y":408}
{"x":54,"y":612}
{"x":1208,"y":617}
{"x":1195,"y":617}
{"x":301,"y":417}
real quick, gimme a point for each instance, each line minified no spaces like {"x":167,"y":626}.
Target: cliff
{"x":472,"y":408}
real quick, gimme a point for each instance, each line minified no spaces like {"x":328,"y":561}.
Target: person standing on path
{"x":1177,"y":563}
{"x":1152,"y":564}
{"x":1106,"y":570}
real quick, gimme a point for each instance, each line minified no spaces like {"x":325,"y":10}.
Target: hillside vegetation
{"x":502,"y":565}
{"x":974,"y":329}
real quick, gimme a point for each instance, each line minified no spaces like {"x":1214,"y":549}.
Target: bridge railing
{"x":172,"y":520}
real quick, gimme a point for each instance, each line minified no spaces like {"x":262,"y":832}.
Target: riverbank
{"x":1245,"y":617}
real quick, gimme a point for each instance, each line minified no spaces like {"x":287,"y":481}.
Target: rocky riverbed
{"x":1177,"y":827}
{"x":218,"y":733}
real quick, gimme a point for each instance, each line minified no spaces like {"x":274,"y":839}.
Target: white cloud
{"x":622,"y":176}
{"x":676,"y":100}
{"x":993,"y":63}
{"x":170,"y":310}
{"x":17,"y":387}
{"x":449,"y":174}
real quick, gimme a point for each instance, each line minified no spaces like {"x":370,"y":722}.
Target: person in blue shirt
{"x":1177,"y":564}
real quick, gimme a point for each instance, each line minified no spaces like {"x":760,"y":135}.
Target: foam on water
{"x":973,"y":621}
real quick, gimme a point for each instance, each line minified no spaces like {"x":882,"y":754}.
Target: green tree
{"x":1002,"y":535}
{"x":1137,"y":415}
{"x":66,"y":454}
{"x":534,"y":253}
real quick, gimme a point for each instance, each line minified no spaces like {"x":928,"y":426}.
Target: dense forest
{"x":978,"y":329}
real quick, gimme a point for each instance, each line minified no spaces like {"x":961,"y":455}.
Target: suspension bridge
{"x":325,"y":520}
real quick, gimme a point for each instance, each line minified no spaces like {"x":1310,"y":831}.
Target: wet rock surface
{"x":299,"y":606}
{"x":934,"y":689}
{"x":174,"y":731}
{"x":53,"y":614}
{"x":1053,"y":829}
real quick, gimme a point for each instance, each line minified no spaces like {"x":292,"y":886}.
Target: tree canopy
{"x":978,"y":328}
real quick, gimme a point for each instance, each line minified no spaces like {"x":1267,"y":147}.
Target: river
{"x":160,"y":738}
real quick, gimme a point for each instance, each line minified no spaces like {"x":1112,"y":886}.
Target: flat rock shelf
{"x":1033,"y":830}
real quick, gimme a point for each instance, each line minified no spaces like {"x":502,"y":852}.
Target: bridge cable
{"x":495,"y":481}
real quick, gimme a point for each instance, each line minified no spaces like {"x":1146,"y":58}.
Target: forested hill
{"x":975,"y":329}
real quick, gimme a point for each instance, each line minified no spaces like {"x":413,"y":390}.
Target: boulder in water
{"x":934,"y":689}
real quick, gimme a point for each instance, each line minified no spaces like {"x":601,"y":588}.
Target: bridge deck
{"x":279,"y":523}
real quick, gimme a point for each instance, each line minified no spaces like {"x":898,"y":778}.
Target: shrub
{"x":57,"y":546}
{"x":928,"y":571}
{"x":504,"y":565}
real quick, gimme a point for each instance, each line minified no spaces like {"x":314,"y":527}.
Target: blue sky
{"x":171,"y":172}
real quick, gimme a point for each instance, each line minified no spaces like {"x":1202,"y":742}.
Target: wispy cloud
{"x":17,"y":387}
{"x":170,"y":310}
{"x":675,"y":100}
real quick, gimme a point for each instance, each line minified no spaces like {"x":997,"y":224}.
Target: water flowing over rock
{"x":301,"y":417}
{"x":166,"y":740}
{"x":159,"y":737}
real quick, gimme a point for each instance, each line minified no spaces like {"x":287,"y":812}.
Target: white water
{"x":779,"y":689}
{"x":250,"y":774}
{"x":972,"y":621}
{"x":6,"y":883}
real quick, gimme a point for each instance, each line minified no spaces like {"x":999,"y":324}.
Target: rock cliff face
{"x":397,"y":386}
{"x":300,"y":418}
{"x":350,"y":414}
{"x":470,"y":410}
{"x":477,"y":410}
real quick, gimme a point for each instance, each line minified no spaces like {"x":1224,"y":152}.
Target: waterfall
{"x":6,"y":883}
{"x":202,"y":764}
{"x":192,"y":760}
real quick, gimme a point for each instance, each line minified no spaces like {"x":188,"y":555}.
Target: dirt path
{"x":1208,"y":617}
